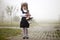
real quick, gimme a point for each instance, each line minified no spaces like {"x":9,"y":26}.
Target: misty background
{"x":41,"y":10}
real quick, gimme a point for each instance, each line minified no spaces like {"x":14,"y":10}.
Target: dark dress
{"x":24,"y":23}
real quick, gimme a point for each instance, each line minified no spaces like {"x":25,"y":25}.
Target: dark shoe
{"x":23,"y":37}
{"x":27,"y":37}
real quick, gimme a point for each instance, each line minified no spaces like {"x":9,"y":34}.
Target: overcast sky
{"x":39,"y":9}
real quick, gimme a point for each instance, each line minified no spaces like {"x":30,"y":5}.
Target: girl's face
{"x":24,"y":7}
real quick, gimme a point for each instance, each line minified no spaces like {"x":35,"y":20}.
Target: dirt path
{"x":39,"y":33}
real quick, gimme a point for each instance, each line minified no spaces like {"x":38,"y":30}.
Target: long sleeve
{"x":22,"y":15}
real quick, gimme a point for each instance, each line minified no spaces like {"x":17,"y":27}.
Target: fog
{"x":39,"y":9}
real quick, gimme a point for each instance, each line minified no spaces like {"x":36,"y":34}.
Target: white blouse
{"x":23,"y":15}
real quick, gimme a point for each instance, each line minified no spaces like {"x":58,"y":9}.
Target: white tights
{"x":25,"y":32}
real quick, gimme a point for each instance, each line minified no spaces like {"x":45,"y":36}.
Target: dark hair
{"x":24,"y":4}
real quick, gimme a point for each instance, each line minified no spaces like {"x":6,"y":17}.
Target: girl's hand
{"x":28,"y":15}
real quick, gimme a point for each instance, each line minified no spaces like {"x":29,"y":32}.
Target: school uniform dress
{"x":24,"y":23}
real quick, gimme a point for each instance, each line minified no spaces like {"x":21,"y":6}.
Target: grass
{"x":6,"y":32}
{"x":33,"y":23}
{"x":9,"y":24}
{"x":57,"y":32}
{"x":15,"y":24}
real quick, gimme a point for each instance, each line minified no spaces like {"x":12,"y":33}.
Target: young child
{"x":25,"y":10}
{"x":25,"y":18}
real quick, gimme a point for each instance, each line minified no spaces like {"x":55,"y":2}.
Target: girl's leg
{"x":27,"y":33}
{"x":24,"y":33}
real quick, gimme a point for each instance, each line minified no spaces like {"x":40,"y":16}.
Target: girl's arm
{"x":28,"y":13}
{"x":22,"y":15}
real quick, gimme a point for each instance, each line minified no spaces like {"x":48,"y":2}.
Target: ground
{"x":40,"y":33}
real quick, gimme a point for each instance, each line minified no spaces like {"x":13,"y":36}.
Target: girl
{"x":24,"y":9}
{"x":24,"y":21}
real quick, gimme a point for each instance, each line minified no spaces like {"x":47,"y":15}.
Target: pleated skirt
{"x":24,"y":23}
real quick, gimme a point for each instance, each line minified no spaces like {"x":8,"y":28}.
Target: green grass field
{"x":5,"y":32}
{"x":33,"y":23}
{"x":9,"y":24}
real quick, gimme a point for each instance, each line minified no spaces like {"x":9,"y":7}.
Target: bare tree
{"x":2,"y":17}
{"x":10,"y":10}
